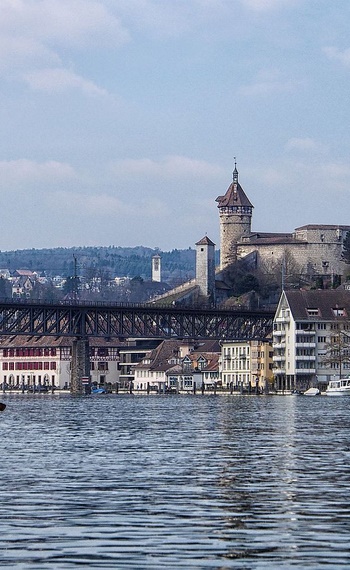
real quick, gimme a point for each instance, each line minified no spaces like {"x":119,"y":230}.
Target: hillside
{"x":177,"y":265}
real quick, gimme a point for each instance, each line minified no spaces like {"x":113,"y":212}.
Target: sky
{"x":121,"y":119}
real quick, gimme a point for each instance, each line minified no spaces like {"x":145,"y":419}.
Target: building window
{"x":312,"y":312}
{"x":339,"y":312}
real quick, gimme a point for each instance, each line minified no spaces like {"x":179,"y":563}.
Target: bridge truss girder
{"x":81,"y":320}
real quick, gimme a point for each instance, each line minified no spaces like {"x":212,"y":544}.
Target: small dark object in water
{"x":2,"y":407}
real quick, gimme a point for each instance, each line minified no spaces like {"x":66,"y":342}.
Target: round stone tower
{"x":235,"y":212}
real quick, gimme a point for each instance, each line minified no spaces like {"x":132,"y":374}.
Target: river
{"x":141,"y":482}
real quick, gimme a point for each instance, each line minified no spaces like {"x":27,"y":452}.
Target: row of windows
{"x":8,"y":352}
{"x":37,"y":351}
{"x":237,"y":365}
{"x":238,"y":351}
{"x":237,"y":378}
{"x":46,"y":366}
{"x":103,"y":366}
{"x":29,"y":365}
{"x":12,"y":380}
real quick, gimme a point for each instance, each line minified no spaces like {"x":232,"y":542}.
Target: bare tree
{"x":337,"y":355}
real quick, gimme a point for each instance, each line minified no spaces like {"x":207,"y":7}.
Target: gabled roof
{"x":326,"y":301}
{"x":205,"y":241}
{"x":159,"y":357}
{"x":24,"y":273}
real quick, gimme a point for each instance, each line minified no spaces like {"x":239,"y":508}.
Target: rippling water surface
{"x":175,"y":482}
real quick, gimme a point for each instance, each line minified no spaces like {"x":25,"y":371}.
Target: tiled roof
{"x":323,"y":300}
{"x":213,"y":364}
{"x":323,"y":227}
{"x":235,"y":196}
{"x":205,"y":241}
{"x":272,"y":239}
{"x":20,"y":341}
{"x":24,"y":273}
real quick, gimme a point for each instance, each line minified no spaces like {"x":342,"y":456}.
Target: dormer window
{"x":339,"y":312}
{"x":313,"y":312}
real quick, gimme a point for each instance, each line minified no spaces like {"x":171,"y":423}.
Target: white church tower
{"x":156,"y":266}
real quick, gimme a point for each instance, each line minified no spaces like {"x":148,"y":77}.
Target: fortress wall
{"x":324,"y":258}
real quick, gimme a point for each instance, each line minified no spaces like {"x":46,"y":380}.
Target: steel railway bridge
{"x":82,"y":321}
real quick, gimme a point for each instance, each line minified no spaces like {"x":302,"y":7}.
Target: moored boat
{"x":312,"y":392}
{"x":339,"y":387}
{"x":95,"y":390}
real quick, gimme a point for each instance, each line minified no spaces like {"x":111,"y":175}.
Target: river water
{"x":140,"y":482}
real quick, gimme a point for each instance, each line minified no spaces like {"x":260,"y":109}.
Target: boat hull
{"x":339,"y":387}
{"x":338,"y":392}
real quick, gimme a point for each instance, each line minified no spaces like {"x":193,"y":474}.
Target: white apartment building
{"x":306,"y":326}
{"x":246,"y":365}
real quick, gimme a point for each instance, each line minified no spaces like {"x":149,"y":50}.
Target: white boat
{"x":339,"y":387}
{"x":312,"y":392}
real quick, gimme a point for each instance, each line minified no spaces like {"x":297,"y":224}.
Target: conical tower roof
{"x":235,"y":195}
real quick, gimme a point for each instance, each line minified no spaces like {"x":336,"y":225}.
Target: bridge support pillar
{"x":80,"y":367}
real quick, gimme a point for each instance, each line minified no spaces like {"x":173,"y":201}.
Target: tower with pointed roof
{"x":156,"y":261}
{"x":205,"y":267}
{"x":235,"y":212}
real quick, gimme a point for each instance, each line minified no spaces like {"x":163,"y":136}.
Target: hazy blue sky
{"x":120,"y":119}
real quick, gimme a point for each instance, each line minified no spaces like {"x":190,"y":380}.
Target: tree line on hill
{"x":177,"y":265}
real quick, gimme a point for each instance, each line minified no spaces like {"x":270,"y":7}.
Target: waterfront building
{"x":131,"y":354}
{"x":35,"y":362}
{"x":309,"y":327}
{"x":246,"y":365}
{"x":178,"y":365}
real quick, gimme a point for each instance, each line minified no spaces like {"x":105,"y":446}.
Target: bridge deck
{"x":77,"y":319}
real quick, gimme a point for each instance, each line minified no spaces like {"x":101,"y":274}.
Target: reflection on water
{"x":175,"y":482}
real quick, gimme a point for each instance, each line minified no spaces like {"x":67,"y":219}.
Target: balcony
{"x":305,"y":358}
{"x":279,"y":345}
{"x":303,"y":331}
{"x":283,"y":319}
{"x":279,"y":333}
{"x":305,"y":371}
{"x":279,"y":358}
{"x":305,"y":345}
{"x":279,"y":371}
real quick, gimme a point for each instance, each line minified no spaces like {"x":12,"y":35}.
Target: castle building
{"x":316,"y":249}
{"x":235,"y":212}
